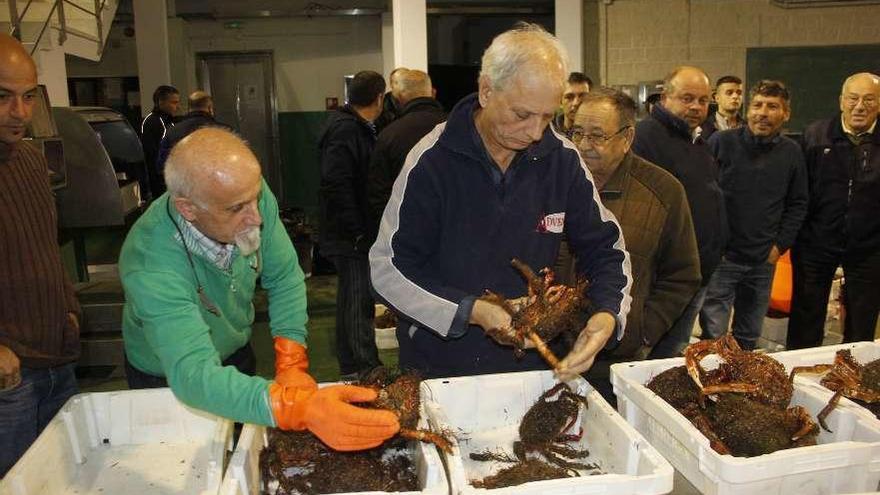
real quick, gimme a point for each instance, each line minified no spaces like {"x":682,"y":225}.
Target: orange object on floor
{"x":780,"y":291}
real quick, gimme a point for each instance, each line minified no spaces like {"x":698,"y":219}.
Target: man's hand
{"x":10,"y":368}
{"x":774,"y":255}
{"x":496,"y":322}
{"x":74,"y":321}
{"x":591,"y":340}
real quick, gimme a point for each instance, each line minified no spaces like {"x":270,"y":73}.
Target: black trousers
{"x":243,"y":359}
{"x":355,"y":308}
{"x":813,"y":273}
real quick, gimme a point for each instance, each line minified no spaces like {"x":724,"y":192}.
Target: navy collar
{"x":461,"y":128}
{"x":759,"y":142}
{"x":677,"y":125}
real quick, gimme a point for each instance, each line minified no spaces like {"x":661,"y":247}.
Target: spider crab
{"x":762,"y":407}
{"x":758,"y":375}
{"x":400,"y":395}
{"x":846,"y":377}
{"x":552,"y":310}
{"x":543,"y":428}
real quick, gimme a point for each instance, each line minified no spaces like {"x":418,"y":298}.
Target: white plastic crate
{"x":485,"y":412}
{"x":863,"y":352}
{"x":137,"y":441}
{"x":847,"y":460}
{"x":243,"y":475}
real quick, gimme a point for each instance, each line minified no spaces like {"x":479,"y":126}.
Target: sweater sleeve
{"x":408,"y":235}
{"x":173,"y":325}
{"x":795,"y":209}
{"x":596,"y":239}
{"x":282,"y":276}
{"x":677,"y":271}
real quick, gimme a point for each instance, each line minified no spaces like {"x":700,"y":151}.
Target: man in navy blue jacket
{"x":494,"y":183}
{"x":670,"y":138}
{"x":765,"y":190}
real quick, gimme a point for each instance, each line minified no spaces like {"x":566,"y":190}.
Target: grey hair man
{"x":652,"y":208}
{"x":419,"y":114}
{"x":670,"y":138}
{"x":492,"y":184}
{"x":391,"y":105}
{"x":842,"y":227}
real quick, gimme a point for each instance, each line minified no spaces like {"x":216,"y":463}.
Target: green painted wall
{"x":301,"y":171}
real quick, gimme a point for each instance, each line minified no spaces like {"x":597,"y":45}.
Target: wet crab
{"x":543,"y":428}
{"x":846,"y":377}
{"x":400,"y":394}
{"x":758,"y":375}
{"x":552,"y":310}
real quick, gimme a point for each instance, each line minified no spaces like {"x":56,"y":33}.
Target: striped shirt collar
{"x":219,"y":254}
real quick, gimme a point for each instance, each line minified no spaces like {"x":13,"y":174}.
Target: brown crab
{"x":846,"y":377}
{"x":758,"y":375}
{"x":552,"y":310}
{"x":400,"y":394}
{"x":543,"y":428}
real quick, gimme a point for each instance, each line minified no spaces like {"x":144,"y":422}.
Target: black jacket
{"x":665,"y":140}
{"x":765,"y":191}
{"x":345,"y":147}
{"x":188,"y":125}
{"x":390,"y":112}
{"x":153,"y":129}
{"x":416,"y":119}
{"x":844,"y":183}
{"x":709,"y":125}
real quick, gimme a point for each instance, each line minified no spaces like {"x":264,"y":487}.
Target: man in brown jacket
{"x":39,"y":329}
{"x":651,"y":207}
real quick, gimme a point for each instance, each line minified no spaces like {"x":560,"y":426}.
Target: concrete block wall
{"x":644,"y":39}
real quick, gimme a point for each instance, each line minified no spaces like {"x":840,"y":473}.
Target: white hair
{"x":524,"y":45}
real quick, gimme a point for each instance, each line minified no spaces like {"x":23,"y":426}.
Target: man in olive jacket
{"x":651,"y":207}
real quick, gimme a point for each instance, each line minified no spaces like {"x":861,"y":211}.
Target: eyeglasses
{"x":852,"y":100}
{"x":578,"y":135}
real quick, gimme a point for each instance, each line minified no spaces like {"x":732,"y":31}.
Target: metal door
{"x":243,"y":87}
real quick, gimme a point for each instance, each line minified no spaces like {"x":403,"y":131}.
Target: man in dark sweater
{"x":670,"y":138}
{"x":153,"y":128}
{"x":345,"y":148}
{"x":765,"y":191}
{"x":842,"y":227}
{"x":39,"y":326}
{"x":420,"y":113}
{"x":201,"y":114}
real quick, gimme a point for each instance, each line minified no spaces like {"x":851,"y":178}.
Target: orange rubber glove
{"x":327,"y":413}
{"x":290,"y":354}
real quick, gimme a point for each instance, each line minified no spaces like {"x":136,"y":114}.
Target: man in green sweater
{"x":189,"y":268}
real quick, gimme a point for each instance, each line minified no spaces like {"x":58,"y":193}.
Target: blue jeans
{"x":26,"y":409}
{"x":678,"y":337}
{"x":746,"y":288}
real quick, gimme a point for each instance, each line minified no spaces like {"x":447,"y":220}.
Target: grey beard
{"x":248,"y":241}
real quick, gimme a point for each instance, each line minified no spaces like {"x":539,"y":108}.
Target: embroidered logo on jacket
{"x":553,"y":223}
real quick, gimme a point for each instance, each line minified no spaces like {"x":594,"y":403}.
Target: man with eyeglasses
{"x":651,"y":207}
{"x":765,"y":191}
{"x":842,"y":227}
{"x":670,"y":138}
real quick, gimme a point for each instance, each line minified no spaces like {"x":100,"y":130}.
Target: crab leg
{"x":428,"y":437}
{"x":827,"y":410}
{"x":543,"y":350}
{"x":818,"y":368}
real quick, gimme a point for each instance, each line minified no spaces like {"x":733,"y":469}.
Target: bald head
{"x":686,"y":94}
{"x":214,"y":181}
{"x":208,"y":161}
{"x":18,"y":86}
{"x":201,"y":101}
{"x":414,"y":84}
{"x":860,"y":101}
